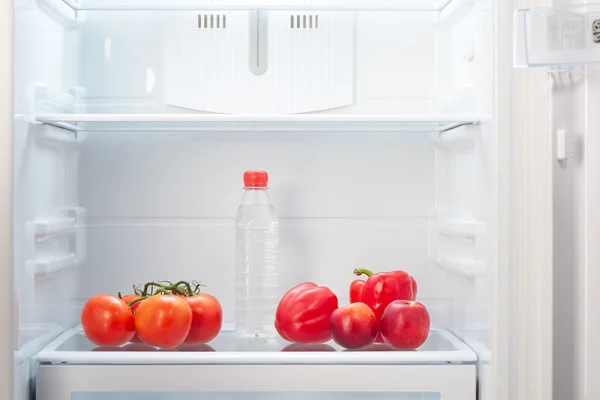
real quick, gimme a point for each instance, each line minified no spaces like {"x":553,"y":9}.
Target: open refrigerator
{"x":448,"y":138}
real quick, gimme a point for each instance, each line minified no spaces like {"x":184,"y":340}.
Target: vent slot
{"x":212,"y":21}
{"x":304,"y":21}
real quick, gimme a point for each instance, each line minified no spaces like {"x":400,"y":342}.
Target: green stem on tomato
{"x":152,"y":284}
{"x":132,"y":302}
{"x":175,"y":290}
{"x":197,"y":288}
{"x":362,"y":271}
{"x":187,"y":286}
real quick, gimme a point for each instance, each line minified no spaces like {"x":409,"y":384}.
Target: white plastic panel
{"x":452,"y":382}
{"x":303,"y":68}
{"x":413,"y":5}
{"x":557,"y":35}
{"x":462,"y":241}
{"x":395,"y":68}
{"x":389,"y":66}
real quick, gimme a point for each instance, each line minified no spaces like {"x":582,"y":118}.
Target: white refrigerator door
{"x":575,"y":103}
{"x":6,"y":210}
{"x":559,"y":105}
{"x":590,"y":352}
{"x":523,"y":277}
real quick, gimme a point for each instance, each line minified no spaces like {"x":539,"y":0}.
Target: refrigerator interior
{"x":134,"y":124}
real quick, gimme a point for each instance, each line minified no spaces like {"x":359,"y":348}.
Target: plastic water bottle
{"x":257,"y":249}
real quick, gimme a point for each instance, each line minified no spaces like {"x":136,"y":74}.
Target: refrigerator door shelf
{"x":440,"y":123}
{"x":73,"y":347}
{"x":551,"y":36}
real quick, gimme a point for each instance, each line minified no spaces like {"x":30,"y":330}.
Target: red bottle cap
{"x":256,"y":179}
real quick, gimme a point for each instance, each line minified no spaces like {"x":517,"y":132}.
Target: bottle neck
{"x":256,"y":197}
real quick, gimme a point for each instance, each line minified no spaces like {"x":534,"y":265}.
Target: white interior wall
{"x":473,"y":181}
{"x":43,"y":55}
{"x":467,"y":178}
{"x":41,"y":171}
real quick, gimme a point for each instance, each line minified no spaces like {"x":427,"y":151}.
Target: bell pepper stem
{"x":363,"y":271}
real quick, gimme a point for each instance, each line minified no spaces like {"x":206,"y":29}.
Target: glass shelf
{"x":73,"y":347}
{"x":239,"y":122}
{"x":551,"y":36}
{"x":347,"y":5}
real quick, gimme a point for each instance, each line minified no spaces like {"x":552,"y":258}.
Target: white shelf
{"x":241,"y":122}
{"x":551,"y":36}
{"x":73,"y":347}
{"x":469,"y":268}
{"x":44,"y":267}
{"x":34,"y":337}
{"x":349,"y":5}
{"x":469,"y":229}
{"x":45,"y":229}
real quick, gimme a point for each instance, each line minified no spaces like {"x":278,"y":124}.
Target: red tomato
{"x":107,"y":320}
{"x":207,"y":318}
{"x":128,"y":298}
{"x":163,"y":321}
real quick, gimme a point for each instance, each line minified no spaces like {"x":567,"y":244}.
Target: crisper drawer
{"x":254,"y":382}
{"x":71,"y":368}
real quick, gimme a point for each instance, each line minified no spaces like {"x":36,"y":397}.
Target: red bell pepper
{"x":381,"y":289}
{"x":303,"y":313}
{"x":357,"y":288}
